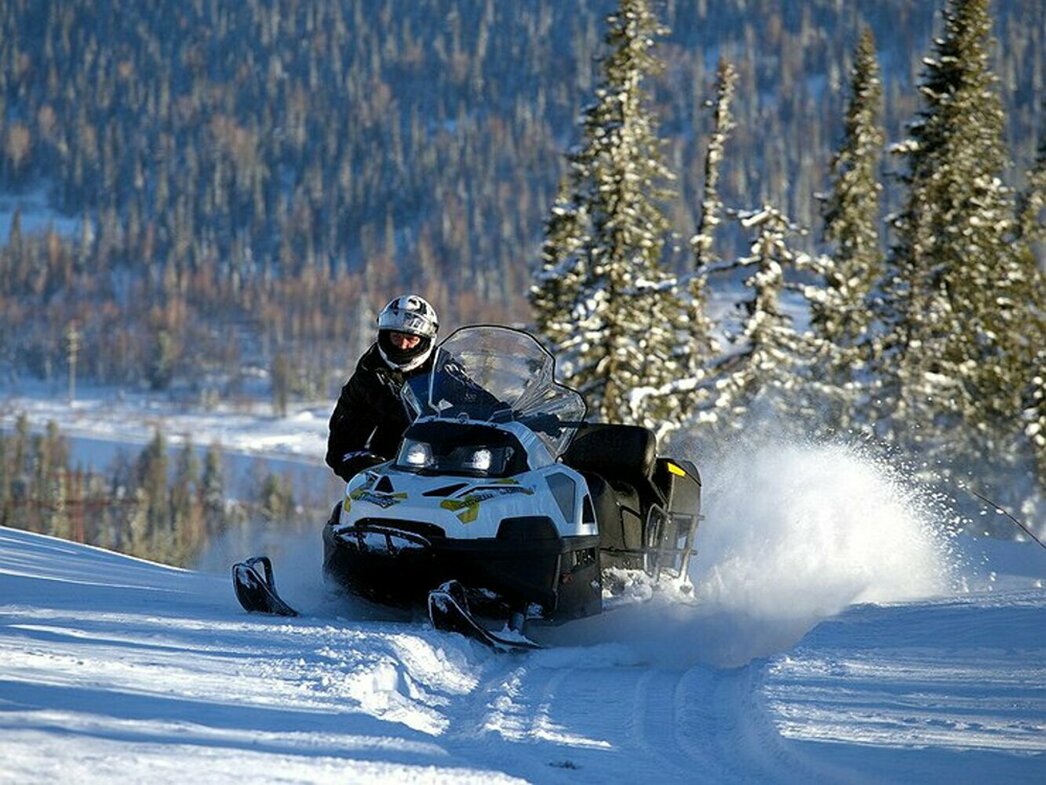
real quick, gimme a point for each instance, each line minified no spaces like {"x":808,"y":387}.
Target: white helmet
{"x":412,"y":315}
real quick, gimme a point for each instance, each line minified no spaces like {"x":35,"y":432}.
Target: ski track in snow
{"x":834,"y":634}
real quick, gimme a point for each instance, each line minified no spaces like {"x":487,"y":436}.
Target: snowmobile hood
{"x":466,"y":507}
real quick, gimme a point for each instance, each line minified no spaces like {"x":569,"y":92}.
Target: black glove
{"x":355,"y":462}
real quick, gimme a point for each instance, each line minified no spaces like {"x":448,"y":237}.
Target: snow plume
{"x":794,"y":534}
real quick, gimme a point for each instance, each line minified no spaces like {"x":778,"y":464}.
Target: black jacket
{"x":370,"y":417}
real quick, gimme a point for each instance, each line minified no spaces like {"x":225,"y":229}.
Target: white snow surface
{"x":834,"y":633}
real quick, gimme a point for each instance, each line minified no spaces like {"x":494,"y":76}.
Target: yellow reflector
{"x":672,"y":468}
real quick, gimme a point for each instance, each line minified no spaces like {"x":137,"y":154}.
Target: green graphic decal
{"x":469,"y":506}
{"x":383,"y":500}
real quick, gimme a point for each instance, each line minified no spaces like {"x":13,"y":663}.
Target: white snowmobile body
{"x":488,"y":490}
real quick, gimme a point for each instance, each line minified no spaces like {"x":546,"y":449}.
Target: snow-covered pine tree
{"x":1031,"y":204}
{"x":1035,"y":432}
{"x":959,"y":350}
{"x":558,"y":283}
{"x":607,"y":235}
{"x":839,"y":311}
{"x":1032,"y":201}
{"x":686,"y":399}
{"x":702,"y":345}
{"x":711,"y":204}
{"x":766,"y":357}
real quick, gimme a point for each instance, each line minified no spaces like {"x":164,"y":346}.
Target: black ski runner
{"x":255,"y":588}
{"x":448,"y":611}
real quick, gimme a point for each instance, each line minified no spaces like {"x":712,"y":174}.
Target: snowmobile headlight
{"x":417,"y":455}
{"x":469,"y":458}
{"x":483,"y":461}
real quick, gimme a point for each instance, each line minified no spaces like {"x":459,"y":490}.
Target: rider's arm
{"x":351,"y":425}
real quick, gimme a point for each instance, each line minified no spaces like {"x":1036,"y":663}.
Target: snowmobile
{"x":503,"y":504}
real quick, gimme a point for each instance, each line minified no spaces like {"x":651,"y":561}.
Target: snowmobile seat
{"x":621,"y":459}
{"x":613,"y":450}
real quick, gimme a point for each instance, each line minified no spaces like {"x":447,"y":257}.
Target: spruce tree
{"x":140,"y":534}
{"x":186,"y":479}
{"x":282,"y":380}
{"x":839,"y":312}
{"x":1033,"y":231}
{"x":212,"y":491}
{"x":276,"y":499}
{"x":766,"y":356}
{"x":685,"y":401}
{"x":558,"y":284}
{"x":186,"y":512}
{"x":1035,"y":427}
{"x":959,"y":347}
{"x":151,"y":479}
{"x":602,"y":299}
{"x":57,"y":513}
{"x":1032,"y":201}
{"x":702,"y":344}
{"x":711,"y":204}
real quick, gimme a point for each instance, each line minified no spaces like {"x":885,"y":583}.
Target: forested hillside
{"x":253,"y":179}
{"x":164,"y":504}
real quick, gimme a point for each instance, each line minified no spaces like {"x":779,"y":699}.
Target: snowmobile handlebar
{"x":548,"y":423}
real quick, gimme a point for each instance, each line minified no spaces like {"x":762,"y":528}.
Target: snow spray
{"x":792,"y":534}
{"x":796,"y":533}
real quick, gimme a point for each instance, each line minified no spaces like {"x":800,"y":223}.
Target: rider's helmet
{"x":412,"y":315}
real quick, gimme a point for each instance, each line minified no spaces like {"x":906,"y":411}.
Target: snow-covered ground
{"x":835,"y":633}
{"x":117,"y":417}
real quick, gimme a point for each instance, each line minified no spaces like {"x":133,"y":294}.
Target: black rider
{"x":370,"y":418}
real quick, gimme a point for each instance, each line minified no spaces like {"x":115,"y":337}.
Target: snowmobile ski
{"x":448,"y":611}
{"x":255,"y":588}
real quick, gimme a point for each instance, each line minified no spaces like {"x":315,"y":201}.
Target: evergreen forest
{"x":925,"y":345}
{"x":248,"y":180}
{"x":235,"y":189}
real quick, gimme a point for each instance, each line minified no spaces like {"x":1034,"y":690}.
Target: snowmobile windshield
{"x":497,"y":374}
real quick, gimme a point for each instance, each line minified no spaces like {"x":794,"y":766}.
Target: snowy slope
{"x":116,"y":670}
{"x":834,"y":634}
